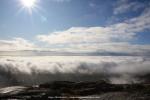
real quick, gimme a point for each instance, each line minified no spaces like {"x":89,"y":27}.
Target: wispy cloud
{"x":123,"y":6}
{"x":118,"y":32}
{"x":92,"y":5}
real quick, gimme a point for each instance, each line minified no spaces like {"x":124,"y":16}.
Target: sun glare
{"x":28,"y":3}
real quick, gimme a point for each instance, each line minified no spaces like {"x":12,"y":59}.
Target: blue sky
{"x":57,"y":15}
{"x":80,"y":25}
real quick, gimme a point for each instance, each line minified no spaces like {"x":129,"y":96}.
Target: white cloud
{"x":89,"y":35}
{"x":16,"y":44}
{"x":118,"y":32}
{"x":114,"y":38}
{"x":80,"y":35}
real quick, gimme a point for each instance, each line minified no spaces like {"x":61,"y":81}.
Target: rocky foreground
{"x":65,"y":90}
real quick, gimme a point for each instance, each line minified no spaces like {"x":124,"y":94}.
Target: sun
{"x":28,"y":3}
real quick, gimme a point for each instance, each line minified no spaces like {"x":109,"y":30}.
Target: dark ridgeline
{"x":101,"y":90}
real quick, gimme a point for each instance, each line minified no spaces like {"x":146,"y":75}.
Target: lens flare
{"x":28,"y":3}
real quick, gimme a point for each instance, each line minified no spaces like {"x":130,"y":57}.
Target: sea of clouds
{"x":39,"y":69}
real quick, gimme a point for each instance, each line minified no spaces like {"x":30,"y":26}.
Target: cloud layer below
{"x":36,"y":70}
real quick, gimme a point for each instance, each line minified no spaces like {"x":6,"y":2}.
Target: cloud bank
{"x":37,"y":70}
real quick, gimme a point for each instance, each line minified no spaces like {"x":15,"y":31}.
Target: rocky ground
{"x":65,"y":90}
